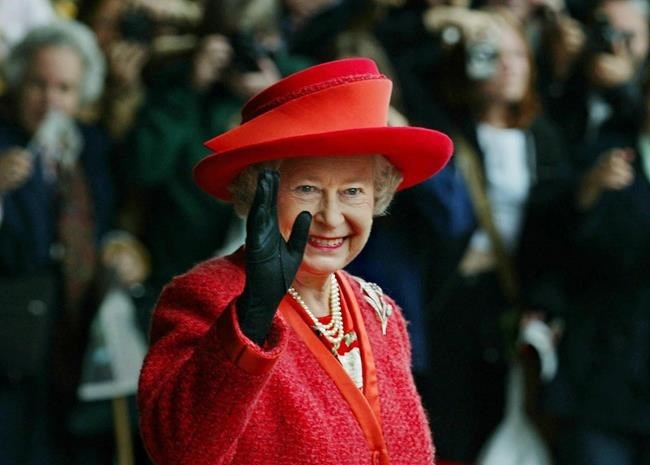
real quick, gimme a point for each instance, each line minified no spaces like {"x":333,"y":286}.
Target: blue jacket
{"x":28,"y":226}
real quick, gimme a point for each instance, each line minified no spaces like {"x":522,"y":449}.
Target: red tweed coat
{"x":210,"y":396}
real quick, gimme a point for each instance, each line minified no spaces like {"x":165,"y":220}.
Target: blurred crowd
{"x":541,"y":219}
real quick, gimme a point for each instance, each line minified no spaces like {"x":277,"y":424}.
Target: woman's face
{"x":52,"y":81}
{"x":339,"y":193}
{"x":512,"y":77}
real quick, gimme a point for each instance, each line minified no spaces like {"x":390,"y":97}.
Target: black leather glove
{"x":271,"y":263}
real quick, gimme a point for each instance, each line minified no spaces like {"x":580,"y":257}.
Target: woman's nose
{"x":329,"y":211}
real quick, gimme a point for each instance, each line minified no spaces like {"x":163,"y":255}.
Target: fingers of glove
{"x":262,"y":229}
{"x":299,"y":235}
{"x":295,"y":248}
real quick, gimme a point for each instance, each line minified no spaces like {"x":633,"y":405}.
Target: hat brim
{"x":418,"y":153}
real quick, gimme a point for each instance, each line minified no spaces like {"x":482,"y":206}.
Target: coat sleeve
{"x":202,"y":376}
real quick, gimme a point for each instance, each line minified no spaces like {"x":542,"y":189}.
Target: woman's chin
{"x":323,"y":264}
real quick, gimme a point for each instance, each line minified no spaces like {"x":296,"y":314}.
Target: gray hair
{"x":64,"y":33}
{"x":387,"y":179}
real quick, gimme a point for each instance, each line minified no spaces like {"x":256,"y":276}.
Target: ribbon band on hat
{"x":361,"y":104}
{"x":250,"y":113}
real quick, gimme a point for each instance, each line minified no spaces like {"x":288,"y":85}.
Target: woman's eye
{"x":353,"y":191}
{"x":306,"y":189}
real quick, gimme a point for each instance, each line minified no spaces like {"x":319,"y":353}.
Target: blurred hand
{"x":16,"y":167}
{"x":612,"y":171}
{"x":212,"y":57}
{"x":166,"y":10}
{"x":247,"y":84}
{"x":474,"y":25}
{"x":535,"y":334}
{"x":556,"y":6}
{"x":530,"y":316}
{"x":125,"y":61}
{"x":127,"y":258}
{"x":566,"y":39}
{"x":609,"y":70}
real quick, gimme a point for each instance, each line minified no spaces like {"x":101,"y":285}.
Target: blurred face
{"x":510,"y":82}
{"x":52,"y":81}
{"x":339,"y":193}
{"x":626,"y":17}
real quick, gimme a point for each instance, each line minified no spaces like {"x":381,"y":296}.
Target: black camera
{"x":603,"y":36}
{"x":246,"y":52}
{"x":136,"y":25}
{"x":481,"y":59}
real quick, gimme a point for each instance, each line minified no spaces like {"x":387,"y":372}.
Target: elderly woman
{"x":274,"y":354}
{"x":56,"y":204}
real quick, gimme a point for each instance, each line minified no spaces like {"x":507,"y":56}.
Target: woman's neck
{"x":495,"y":115}
{"x":315,"y":292}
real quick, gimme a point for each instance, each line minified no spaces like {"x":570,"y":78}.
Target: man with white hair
{"x":56,"y":198}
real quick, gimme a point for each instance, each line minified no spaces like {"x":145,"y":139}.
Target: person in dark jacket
{"x":602,"y":391}
{"x":443,"y":261}
{"x":603,"y":90}
{"x":56,"y":205}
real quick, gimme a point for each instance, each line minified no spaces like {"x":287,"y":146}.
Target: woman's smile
{"x":326,"y":243}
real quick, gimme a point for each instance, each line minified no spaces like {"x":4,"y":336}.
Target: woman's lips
{"x":325,"y":243}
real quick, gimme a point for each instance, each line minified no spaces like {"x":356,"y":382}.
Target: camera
{"x":603,"y":36}
{"x":137,"y":26}
{"x":246,"y":52}
{"x":481,"y":60}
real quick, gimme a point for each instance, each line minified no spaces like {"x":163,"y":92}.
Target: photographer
{"x":57,"y":206}
{"x":603,"y":90}
{"x":446,"y":260}
{"x":600,"y":396}
{"x":198,"y":95}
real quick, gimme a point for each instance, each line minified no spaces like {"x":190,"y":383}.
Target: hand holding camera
{"x":607,"y":70}
{"x":212,"y":57}
{"x":612,"y":62}
{"x":612,"y":171}
{"x":126,"y":60}
{"x":16,"y":167}
{"x":476,"y":30}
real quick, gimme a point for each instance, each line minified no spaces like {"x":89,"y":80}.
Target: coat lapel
{"x":365,"y":405}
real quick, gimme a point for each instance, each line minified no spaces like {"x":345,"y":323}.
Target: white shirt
{"x":508,"y":178}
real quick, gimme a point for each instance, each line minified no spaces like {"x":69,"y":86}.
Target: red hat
{"x":337,"y":108}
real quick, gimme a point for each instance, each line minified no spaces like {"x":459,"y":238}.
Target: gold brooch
{"x":375,"y":297}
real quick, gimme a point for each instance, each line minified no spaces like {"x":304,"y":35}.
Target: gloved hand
{"x":271,"y":263}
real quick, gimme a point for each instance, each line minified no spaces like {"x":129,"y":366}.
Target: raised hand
{"x":612,"y":171}
{"x":16,"y":167}
{"x":271,"y":263}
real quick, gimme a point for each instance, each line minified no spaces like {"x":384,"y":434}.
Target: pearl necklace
{"x":332,"y":331}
